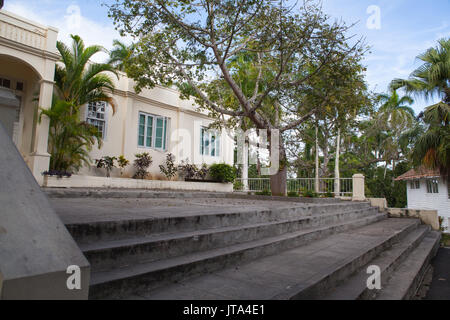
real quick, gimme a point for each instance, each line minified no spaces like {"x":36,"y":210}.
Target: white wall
{"x":183,"y":133}
{"x":420,"y":199}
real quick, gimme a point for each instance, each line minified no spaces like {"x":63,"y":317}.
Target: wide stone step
{"x":305,"y":271}
{"x":105,"y":255}
{"x":406,"y":279}
{"x":146,"y":276}
{"x":355,"y":287}
{"x":170,"y":223}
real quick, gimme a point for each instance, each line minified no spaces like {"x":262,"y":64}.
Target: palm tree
{"x":433,"y":148}
{"x":394,"y":113}
{"x":80,"y":81}
{"x":392,"y":118}
{"x":69,"y":139}
{"x":432,"y":77}
{"x":77,"y":81}
{"x":120,"y":54}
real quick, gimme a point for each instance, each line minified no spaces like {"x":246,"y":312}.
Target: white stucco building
{"x":427,"y":190}
{"x":156,"y":121}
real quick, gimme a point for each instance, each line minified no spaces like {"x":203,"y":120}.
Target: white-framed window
{"x":96,"y":116}
{"x":152,"y":131}
{"x":432,"y":186}
{"x":415,"y":184}
{"x":209,"y":142}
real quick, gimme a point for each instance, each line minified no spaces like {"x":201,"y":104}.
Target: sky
{"x":396,"y":30}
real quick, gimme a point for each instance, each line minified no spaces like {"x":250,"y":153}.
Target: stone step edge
{"x":355,"y":287}
{"x":323,"y":282}
{"x":426,"y":250}
{"x":199,"y":257}
{"x":265,"y":211}
{"x":161,"y":237}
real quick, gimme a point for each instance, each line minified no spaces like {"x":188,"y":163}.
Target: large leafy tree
{"x":190,"y":43}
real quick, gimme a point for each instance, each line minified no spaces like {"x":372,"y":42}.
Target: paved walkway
{"x":440,"y":285}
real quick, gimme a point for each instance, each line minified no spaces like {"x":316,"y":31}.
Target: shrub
{"x":57,"y":173}
{"x":107,"y":163}
{"x":238,"y":185}
{"x":292,"y":194}
{"x":122,"y":162}
{"x":265,"y":192}
{"x":309,"y":194}
{"x":203,"y":171}
{"x":222,"y":172}
{"x":189,"y":171}
{"x":169,"y":170}
{"x":141,"y":163}
{"x":329,"y":195}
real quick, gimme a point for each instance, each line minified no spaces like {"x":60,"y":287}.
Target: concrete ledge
{"x":429,"y":217}
{"x":77,"y":181}
{"x":381,"y":203}
{"x":35,"y":247}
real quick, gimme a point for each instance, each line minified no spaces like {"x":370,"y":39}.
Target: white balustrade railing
{"x":338,"y":187}
{"x":23,"y":32}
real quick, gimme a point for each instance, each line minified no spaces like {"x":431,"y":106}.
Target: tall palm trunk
{"x":316,"y":180}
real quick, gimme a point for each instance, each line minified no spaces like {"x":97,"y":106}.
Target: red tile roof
{"x":419,"y":173}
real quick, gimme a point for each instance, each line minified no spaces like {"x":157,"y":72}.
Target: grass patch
{"x":445,"y":240}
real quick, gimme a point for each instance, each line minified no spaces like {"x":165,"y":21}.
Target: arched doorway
{"x":19,"y":96}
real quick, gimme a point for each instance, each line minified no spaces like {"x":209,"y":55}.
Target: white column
{"x":39,"y":157}
{"x":245,"y":167}
{"x":358,"y":188}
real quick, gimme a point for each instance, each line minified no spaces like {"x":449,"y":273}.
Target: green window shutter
{"x":141,"y":134}
{"x":165,"y":134}
{"x":206,"y":143}
{"x":202,"y":141}
{"x":159,"y":133}
{"x":149,"y":131}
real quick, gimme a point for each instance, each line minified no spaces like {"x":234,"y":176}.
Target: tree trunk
{"x":337,"y":174}
{"x":245,"y":167}
{"x":316,"y":181}
{"x":278,"y":181}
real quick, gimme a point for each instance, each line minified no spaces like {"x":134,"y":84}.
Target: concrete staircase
{"x":288,"y":251}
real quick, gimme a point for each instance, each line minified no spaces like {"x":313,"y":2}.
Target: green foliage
{"x":78,"y":80}
{"x":265,"y":192}
{"x":329,"y":195}
{"x":189,"y":171}
{"x":308,"y":194}
{"x":122,"y":163}
{"x":222,"y":172}
{"x":293,"y":194}
{"x":142,"y":162}
{"x":107,"y":163}
{"x":203,"y":171}
{"x":238,"y":185}
{"x":169,"y":170}
{"x":70,"y":140}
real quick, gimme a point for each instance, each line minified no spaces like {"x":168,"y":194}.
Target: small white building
{"x":428,"y":191}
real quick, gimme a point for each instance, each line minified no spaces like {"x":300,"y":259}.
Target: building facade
{"x":156,"y":120}
{"x":426,"y":190}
